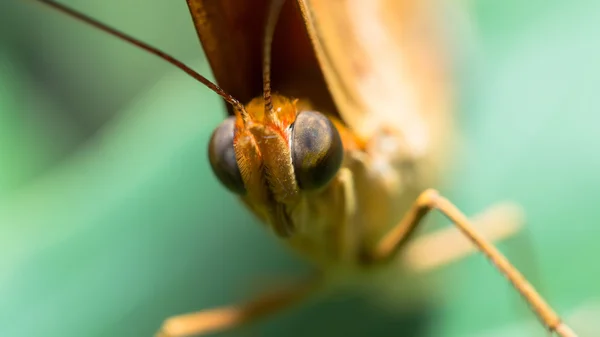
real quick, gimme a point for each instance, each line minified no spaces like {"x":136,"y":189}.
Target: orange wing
{"x":385,"y":66}
{"x":232,"y":32}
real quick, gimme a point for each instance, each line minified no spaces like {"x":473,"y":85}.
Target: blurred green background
{"x":110,"y":219}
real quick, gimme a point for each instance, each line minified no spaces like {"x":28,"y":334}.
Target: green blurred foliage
{"x":110,"y":219}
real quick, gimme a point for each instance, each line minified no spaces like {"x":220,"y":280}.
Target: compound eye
{"x":222,"y":157}
{"x":317,"y":150}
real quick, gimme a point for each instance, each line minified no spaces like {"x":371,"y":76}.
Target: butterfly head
{"x":273,"y":159}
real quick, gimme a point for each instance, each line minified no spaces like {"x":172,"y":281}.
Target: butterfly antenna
{"x":273,"y":16}
{"x":152,"y":50}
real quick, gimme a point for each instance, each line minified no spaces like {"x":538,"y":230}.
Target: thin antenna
{"x":152,"y":50}
{"x":273,"y":16}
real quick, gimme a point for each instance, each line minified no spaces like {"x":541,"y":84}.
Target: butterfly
{"x":339,"y":160}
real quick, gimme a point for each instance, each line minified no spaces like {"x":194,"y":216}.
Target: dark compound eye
{"x":222,"y":157}
{"x":317,"y":150}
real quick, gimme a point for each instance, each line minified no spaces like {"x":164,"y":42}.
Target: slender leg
{"x":429,"y":200}
{"x":444,"y":246}
{"x":228,"y":317}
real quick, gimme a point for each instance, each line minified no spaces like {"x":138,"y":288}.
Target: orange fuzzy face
{"x":271,"y":160}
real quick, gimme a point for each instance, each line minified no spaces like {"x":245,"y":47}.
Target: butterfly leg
{"x":229,"y":317}
{"x":430,"y":200}
{"x":447,"y":245}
